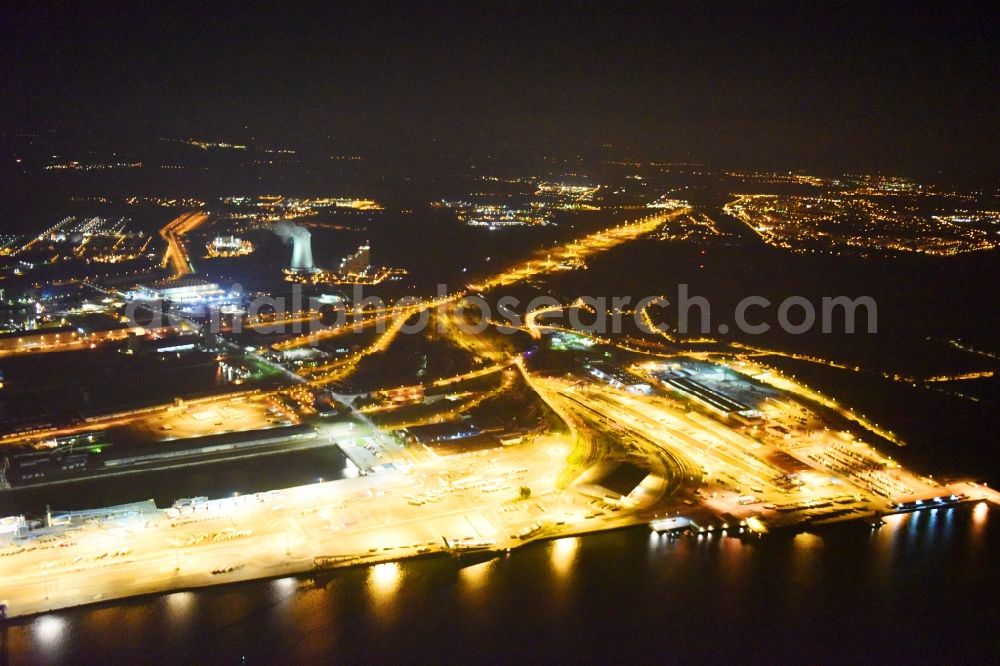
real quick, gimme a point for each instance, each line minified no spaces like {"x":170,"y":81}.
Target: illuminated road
{"x":39,"y":343}
{"x":367,"y":318}
{"x":532,"y":326}
{"x":332,"y":372}
{"x":326,"y":333}
{"x":176,"y":255}
{"x":463,"y":404}
{"x":578,"y":250}
{"x":192,"y":418}
{"x":678,"y":468}
{"x":473,"y":374}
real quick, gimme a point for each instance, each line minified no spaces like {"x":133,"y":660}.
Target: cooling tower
{"x":302,"y":254}
{"x":301,"y":240}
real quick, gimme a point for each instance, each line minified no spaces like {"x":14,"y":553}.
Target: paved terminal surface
{"x":461,"y":502}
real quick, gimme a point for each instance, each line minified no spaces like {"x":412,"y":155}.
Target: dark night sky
{"x":841,"y":85}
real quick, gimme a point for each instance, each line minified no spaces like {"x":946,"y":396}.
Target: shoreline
{"x":306,"y":567}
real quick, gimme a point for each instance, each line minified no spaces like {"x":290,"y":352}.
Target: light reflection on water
{"x":383,"y":581}
{"x":284,"y":586}
{"x":50,"y":632}
{"x":979,"y":515}
{"x":732,"y":557}
{"x":914,"y":519}
{"x":804,"y":556}
{"x":180,"y":606}
{"x":558,"y":577}
{"x":383,"y":584}
{"x":563,"y":552}
{"x":474,"y":577}
{"x":949,"y":521}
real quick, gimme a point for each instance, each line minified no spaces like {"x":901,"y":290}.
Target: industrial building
{"x":229,"y":246}
{"x":611,"y":480}
{"x":357,"y":263}
{"x":437,"y":432}
{"x":617,"y":377}
{"x":182,"y":289}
